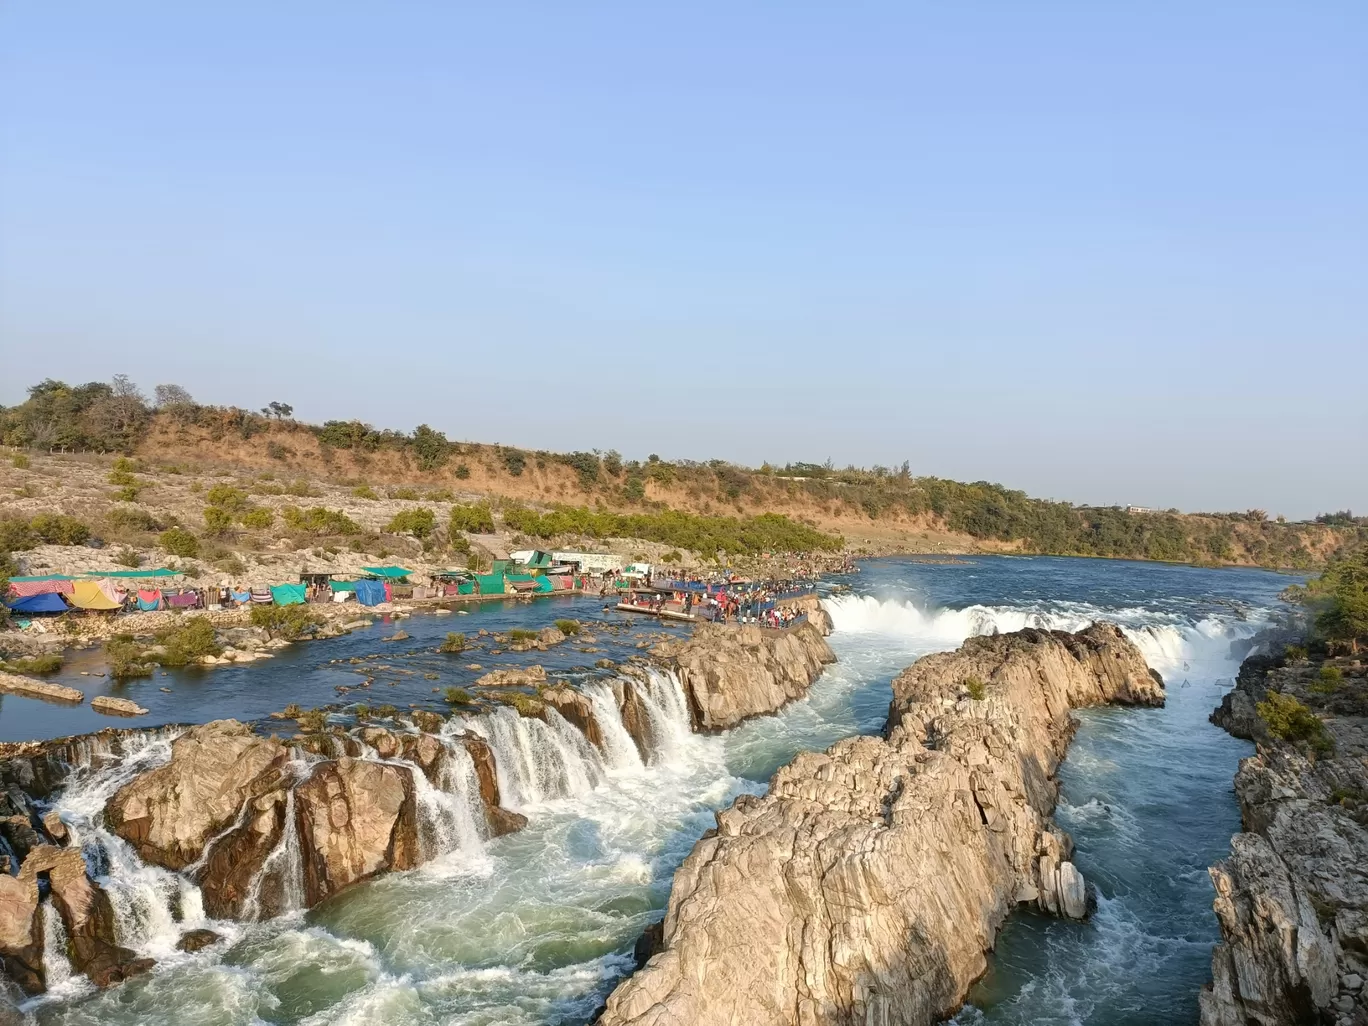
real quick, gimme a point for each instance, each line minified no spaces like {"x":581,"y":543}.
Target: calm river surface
{"x":536,"y":927}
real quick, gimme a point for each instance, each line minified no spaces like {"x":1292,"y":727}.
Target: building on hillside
{"x":532,"y":559}
{"x":590,"y":562}
{"x":1141,"y":509}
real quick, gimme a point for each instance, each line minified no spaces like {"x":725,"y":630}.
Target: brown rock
{"x":356,"y":819}
{"x":731,"y":673}
{"x":21,"y":941}
{"x":635,"y":718}
{"x":576,"y":708}
{"x":196,"y":940}
{"x":513,"y":677}
{"x":87,"y":915}
{"x":501,"y":821}
{"x":168,"y":814}
{"x":116,"y":706}
{"x":238,"y":856}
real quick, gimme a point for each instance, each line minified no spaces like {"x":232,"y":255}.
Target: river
{"x":536,"y":927}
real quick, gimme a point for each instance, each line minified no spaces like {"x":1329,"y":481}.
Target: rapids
{"x":537,"y":926}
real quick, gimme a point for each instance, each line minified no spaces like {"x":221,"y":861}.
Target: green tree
{"x":217,"y":521}
{"x":419,"y":522}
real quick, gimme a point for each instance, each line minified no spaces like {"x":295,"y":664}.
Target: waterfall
{"x":619,"y":750}
{"x":56,"y":966}
{"x":538,"y":761}
{"x":284,"y":862}
{"x":668,"y":710}
{"x":446,"y":823}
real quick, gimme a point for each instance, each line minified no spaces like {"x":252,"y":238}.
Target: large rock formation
{"x":356,"y":819}
{"x":170,"y":813}
{"x":1292,"y":899}
{"x":732,"y":672}
{"x":867,"y":884}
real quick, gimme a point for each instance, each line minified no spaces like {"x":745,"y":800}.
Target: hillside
{"x":68,"y":436}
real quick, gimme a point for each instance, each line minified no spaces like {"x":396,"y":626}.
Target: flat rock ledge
{"x":117,"y":706}
{"x":1292,"y":898}
{"x":15,"y":684}
{"x":869,"y":882}
{"x":732,"y":672}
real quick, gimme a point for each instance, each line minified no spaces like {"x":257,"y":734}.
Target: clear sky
{"x":1104,"y":252}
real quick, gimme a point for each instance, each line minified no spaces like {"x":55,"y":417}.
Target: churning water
{"x":537,"y":926}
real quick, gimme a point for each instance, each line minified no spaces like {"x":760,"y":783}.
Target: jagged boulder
{"x":86,"y":913}
{"x":868,"y":883}
{"x":575,"y":707}
{"x":500,"y":820}
{"x":731,"y":673}
{"x":21,"y":941}
{"x":170,"y":813}
{"x":635,"y":719}
{"x":356,"y":819}
{"x":237,"y":857}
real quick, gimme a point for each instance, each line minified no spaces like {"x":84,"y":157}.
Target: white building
{"x":592,"y":562}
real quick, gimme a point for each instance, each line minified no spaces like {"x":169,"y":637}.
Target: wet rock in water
{"x":868,"y":883}
{"x":500,"y":820}
{"x":21,"y":941}
{"x":397,"y":636}
{"x":731,"y":673}
{"x":196,"y":940}
{"x":117,"y":706}
{"x":56,"y":829}
{"x":236,"y":859}
{"x":13,"y":682}
{"x":87,"y":914}
{"x":635,"y":718}
{"x":356,"y":819}
{"x":168,"y":814}
{"x":576,"y":708}
{"x":513,"y":677}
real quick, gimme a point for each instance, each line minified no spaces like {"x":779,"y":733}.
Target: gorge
{"x":538,"y":924}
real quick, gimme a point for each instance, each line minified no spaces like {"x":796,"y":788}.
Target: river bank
{"x":1292,"y":898}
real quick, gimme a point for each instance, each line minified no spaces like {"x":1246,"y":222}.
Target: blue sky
{"x":1101,"y":252}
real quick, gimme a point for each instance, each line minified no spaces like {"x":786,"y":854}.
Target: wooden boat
{"x":664,"y":614}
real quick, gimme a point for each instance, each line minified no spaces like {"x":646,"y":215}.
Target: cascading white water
{"x":57,"y":969}
{"x":536,"y":761}
{"x":284,"y":863}
{"x":445,"y":822}
{"x":619,"y":750}
{"x":668,"y":711}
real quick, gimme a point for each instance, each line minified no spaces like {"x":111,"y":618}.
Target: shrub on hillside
{"x":974,"y":685}
{"x":404,"y":493}
{"x":59,"y":529}
{"x":51,"y":662}
{"x":1289,"y":719}
{"x":226,"y":497}
{"x":131,"y":518}
{"x":179,"y":542}
{"x":217,"y":521}
{"x":1328,"y":681}
{"x":126,"y":658}
{"x":20,"y":461}
{"x":365,"y":492}
{"x":319,"y":521}
{"x":476,"y":519}
{"x":420,"y":522}
{"x":258,"y":519}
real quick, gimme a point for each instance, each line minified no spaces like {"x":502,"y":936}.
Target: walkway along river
{"x":537,"y":926}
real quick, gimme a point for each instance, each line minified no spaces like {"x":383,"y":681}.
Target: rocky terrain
{"x":1292,"y":898}
{"x":732,"y":673}
{"x":868,"y":883}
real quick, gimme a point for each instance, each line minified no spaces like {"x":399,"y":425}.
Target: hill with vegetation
{"x":713,"y":509}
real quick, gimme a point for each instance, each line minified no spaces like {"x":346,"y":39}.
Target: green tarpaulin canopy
{"x":491,"y":584}
{"x":132,"y":574}
{"x":466,"y":588}
{"x":288,"y":594}
{"x":343,"y":585}
{"x":41,"y":577}
{"x":387,"y":571}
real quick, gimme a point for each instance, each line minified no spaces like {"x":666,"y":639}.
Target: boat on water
{"x":663,"y":614}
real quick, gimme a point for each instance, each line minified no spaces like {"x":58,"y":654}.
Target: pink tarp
{"x":27,"y":589}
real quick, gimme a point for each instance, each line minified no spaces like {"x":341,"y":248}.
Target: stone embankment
{"x":1292,"y":898}
{"x":868,"y":883}
{"x":731,"y":672}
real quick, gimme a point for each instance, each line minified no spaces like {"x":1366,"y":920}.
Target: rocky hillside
{"x":1292,"y":899}
{"x":868,"y":883}
{"x":877,"y":510}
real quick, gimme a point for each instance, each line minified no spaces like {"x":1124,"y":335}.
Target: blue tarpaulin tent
{"x":370,"y":593}
{"x":45,"y":603}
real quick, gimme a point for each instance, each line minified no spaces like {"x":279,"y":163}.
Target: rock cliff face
{"x":1292,"y":899}
{"x":227,"y":798}
{"x":731,"y":673}
{"x":867,"y":884}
